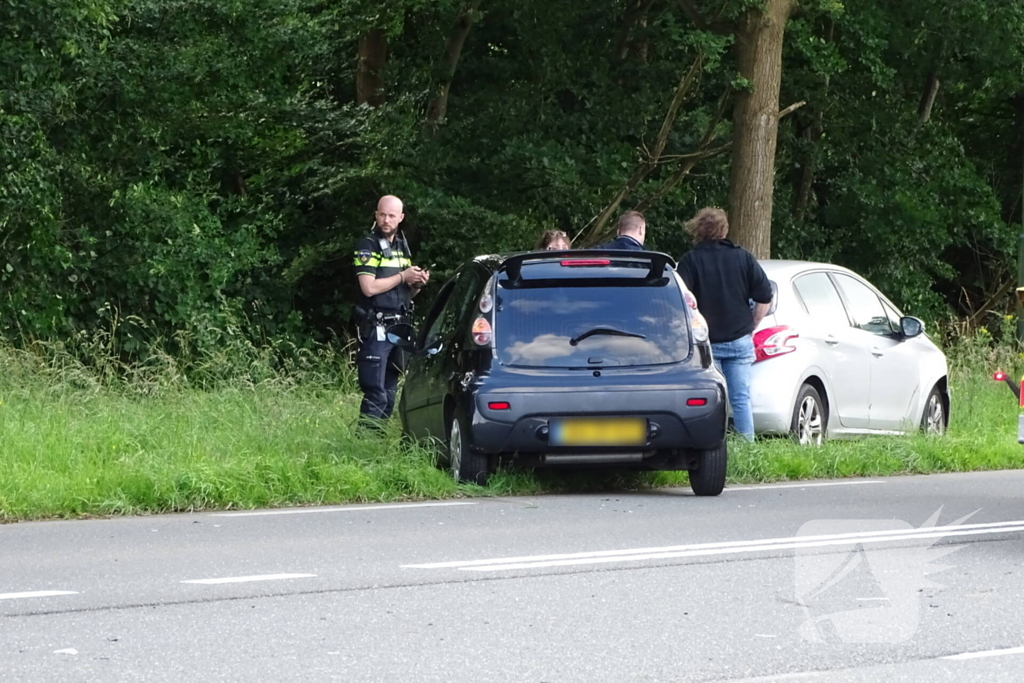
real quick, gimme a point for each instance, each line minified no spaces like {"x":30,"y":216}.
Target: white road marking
{"x":67,"y":651}
{"x":802,"y":675}
{"x":987,"y":653}
{"x":248,"y":579}
{"x":814,"y":484}
{"x":720,"y":548}
{"x":34,"y":594}
{"x":339,"y":508}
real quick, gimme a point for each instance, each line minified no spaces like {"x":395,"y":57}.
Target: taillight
{"x":499,"y":405}
{"x":773,"y":341}
{"x":587,"y":262}
{"x":698,"y":324}
{"x":693,"y":402}
{"x":481,"y":331}
{"x":486,"y":302}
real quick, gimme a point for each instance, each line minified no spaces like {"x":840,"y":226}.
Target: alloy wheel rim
{"x":809,"y":422}
{"x":455,"y":450}
{"x":936,"y":419}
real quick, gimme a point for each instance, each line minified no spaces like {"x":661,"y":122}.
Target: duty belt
{"x":389,"y":317}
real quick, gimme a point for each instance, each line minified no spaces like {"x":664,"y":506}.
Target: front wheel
{"x":463,"y":463}
{"x":934,"y":420}
{"x":708,"y":478}
{"x":809,"y":417}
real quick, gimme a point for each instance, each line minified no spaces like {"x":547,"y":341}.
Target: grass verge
{"x":74,"y":444}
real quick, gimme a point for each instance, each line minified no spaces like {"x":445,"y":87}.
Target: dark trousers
{"x":378,"y":365}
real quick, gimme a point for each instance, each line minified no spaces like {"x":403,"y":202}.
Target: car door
{"x":420,"y":377}
{"x":445,"y":356}
{"x":894,"y":367}
{"x":842,"y":354}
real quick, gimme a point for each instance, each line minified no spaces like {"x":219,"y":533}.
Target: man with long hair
{"x":725,"y":278}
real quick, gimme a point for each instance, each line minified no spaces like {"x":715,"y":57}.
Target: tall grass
{"x":86,"y":431}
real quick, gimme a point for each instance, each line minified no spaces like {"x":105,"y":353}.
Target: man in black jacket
{"x":725,"y":278}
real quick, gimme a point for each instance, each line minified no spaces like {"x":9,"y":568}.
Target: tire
{"x":708,"y":479}
{"x":464,"y":465}
{"x":810,"y":417}
{"x":934,"y":420}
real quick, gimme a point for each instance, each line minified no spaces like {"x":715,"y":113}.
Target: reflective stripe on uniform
{"x":400,"y":262}
{"x":372,"y":262}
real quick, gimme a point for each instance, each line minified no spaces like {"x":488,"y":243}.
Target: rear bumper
{"x":672,"y":425}
{"x":773,"y":384}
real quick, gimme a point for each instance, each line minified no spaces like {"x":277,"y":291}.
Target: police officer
{"x":388,"y":281}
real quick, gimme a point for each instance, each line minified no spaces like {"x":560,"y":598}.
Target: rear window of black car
{"x":534,"y":325}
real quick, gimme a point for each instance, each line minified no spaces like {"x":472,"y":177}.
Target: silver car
{"x":834,"y":357}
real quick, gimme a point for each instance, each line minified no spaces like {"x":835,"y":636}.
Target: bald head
{"x":389,"y":215}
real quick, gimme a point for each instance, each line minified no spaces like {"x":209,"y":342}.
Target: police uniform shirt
{"x":375,"y":256}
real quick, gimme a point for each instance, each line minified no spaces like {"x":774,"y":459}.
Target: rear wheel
{"x":464,"y":464}
{"x":708,"y":478}
{"x":934,"y":419}
{"x":809,"y":417}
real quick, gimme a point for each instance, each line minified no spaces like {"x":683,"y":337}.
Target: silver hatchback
{"x":836,"y":358}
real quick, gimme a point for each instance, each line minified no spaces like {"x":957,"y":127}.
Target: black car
{"x":578,"y":358}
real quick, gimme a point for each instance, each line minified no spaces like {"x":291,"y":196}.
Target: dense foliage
{"x":176,"y":161}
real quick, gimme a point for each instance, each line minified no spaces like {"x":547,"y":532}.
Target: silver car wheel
{"x":455,"y":450}
{"x":935,"y":416}
{"x":809,"y":423}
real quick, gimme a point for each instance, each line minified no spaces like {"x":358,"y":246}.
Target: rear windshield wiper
{"x":603,"y":330}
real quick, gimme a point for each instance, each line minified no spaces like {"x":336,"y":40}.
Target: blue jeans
{"x":733,"y":360}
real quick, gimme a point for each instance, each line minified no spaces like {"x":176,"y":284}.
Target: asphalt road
{"x":856,"y":580}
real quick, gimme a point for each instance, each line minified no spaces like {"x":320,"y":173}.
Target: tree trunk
{"x":626,"y":31}
{"x":437,"y":110}
{"x":1019,"y":105}
{"x":931,"y":91}
{"x":812,"y":135}
{"x":373,"y":55}
{"x":628,"y":43}
{"x":759,"y":39}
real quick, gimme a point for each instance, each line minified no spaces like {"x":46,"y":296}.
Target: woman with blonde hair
{"x":554,"y":240}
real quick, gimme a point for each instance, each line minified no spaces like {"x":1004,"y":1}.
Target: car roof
{"x":778,"y":268}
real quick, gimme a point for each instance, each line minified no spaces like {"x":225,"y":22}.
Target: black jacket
{"x":724,"y":278}
{"x":623,"y":242}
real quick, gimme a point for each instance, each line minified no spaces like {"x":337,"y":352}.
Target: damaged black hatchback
{"x":575,"y":358}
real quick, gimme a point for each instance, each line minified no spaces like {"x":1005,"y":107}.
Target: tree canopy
{"x":176,"y":161}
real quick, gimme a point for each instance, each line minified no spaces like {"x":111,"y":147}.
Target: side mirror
{"x":402,"y":335}
{"x":911,"y":327}
{"x":431,"y":349}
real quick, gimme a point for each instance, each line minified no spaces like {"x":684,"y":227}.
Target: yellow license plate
{"x":599,"y":432}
